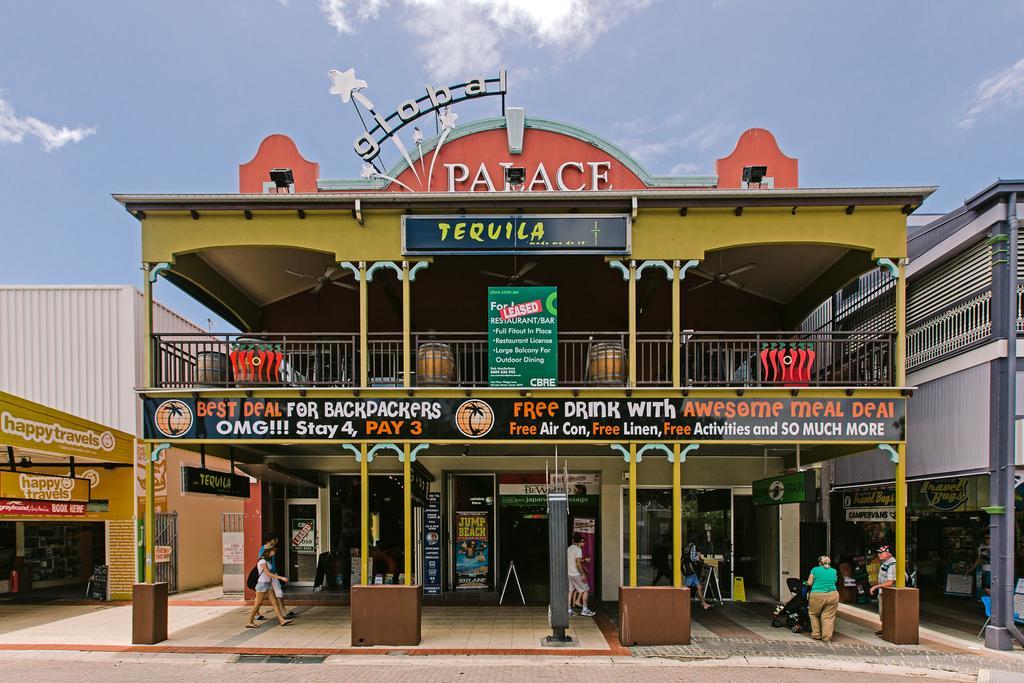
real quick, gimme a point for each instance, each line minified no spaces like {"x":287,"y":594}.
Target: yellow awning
{"x":35,"y":427}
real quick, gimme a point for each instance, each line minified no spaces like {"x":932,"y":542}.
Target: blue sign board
{"x":432,"y":545}
{"x":571,"y":234}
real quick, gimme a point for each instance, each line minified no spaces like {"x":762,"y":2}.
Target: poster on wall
{"x":472,"y":550}
{"x":303,"y":538}
{"x":587,"y":527}
{"x":522,"y":336}
{"x":432,"y":545}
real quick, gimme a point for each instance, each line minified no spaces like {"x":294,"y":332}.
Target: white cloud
{"x":702,"y":139}
{"x":1005,"y":88}
{"x":684,"y":168}
{"x":457,"y":37}
{"x":13,"y":130}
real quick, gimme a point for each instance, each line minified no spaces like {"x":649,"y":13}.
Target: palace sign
{"x":832,"y":420}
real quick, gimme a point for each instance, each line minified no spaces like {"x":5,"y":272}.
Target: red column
{"x":252,"y":526}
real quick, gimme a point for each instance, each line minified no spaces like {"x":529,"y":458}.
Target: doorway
{"x":301,"y":515}
{"x":471,"y":532}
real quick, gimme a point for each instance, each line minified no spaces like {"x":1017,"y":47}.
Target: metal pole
{"x":676,"y":315}
{"x":632,"y":515}
{"x":677,"y":518}
{"x":407,"y":510}
{"x":632,"y":324}
{"x":1001,"y":630}
{"x":364,"y":517}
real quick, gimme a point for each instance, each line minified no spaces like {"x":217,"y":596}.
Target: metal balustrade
{"x":954,"y":329}
{"x":585,"y":359}
{"x":788,"y":359}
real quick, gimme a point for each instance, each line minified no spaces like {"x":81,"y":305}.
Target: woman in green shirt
{"x":824,"y":600}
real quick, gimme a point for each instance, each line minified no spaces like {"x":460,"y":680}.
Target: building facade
{"x":518,"y":306}
{"x":78,"y":350}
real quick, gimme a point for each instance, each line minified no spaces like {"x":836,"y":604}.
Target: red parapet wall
{"x":277,"y":151}
{"x":757,"y":147}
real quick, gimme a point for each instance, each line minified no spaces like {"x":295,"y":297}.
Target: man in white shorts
{"x":578,"y":588}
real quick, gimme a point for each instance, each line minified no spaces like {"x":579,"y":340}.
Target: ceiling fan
{"x":516,"y":277}
{"x":321,"y":280}
{"x":724,"y":277}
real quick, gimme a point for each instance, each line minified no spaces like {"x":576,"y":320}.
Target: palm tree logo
{"x":173,"y":418}
{"x":474,"y":418}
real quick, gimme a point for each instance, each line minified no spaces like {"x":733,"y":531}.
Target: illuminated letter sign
{"x":573,"y":234}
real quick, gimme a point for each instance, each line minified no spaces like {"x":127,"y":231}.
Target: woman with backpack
{"x":264,"y":589}
{"x":692,"y":565}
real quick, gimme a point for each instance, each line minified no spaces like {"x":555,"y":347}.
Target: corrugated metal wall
{"x":968,"y":273}
{"x":937,"y":442}
{"x":78,"y":349}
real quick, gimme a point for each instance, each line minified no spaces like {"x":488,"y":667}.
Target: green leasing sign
{"x":522,"y":336}
{"x":785,"y":488}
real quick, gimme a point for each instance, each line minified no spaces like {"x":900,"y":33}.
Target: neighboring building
{"x":78,"y":349}
{"x":954,"y":349}
{"x":390,"y":294}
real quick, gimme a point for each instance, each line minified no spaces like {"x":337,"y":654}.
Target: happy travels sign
{"x":842,"y":420}
{"x":28,"y":486}
{"x":571,"y":234}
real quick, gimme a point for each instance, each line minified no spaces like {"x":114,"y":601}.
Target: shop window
{"x":707,"y":523}
{"x":386,"y":543}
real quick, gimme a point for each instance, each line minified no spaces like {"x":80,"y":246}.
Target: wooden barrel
{"x":211,"y":368}
{"x":435,"y":365}
{"x":607,"y":363}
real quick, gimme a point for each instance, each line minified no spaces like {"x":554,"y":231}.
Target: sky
{"x":138,"y":97}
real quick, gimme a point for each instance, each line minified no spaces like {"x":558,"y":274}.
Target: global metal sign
{"x":570,"y":234}
{"x":842,"y":420}
{"x":368,"y":145}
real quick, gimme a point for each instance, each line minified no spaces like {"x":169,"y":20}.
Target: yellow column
{"x":676,"y":314}
{"x":901,"y":326}
{"x":147,"y":336}
{"x":364,"y":329}
{"x":364,"y":507}
{"x":632,"y":324}
{"x":901,"y":449}
{"x":901,"y":516}
{"x":407,"y":531}
{"x":677,"y":518}
{"x":632,"y":515}
{"x":406,"y":331}
{"x":407,"y":382}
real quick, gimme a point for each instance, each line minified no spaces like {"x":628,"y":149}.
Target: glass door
{"x":302,"y":540}
{"x":471,"y":531}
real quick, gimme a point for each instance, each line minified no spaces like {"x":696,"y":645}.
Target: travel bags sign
{"x":28,"y":486}
{"x":843,"y":420}
{"x":787,"y":488}
{"x":522,"y":336}
{"x":199,"y":480}
{"x":575,"y":234}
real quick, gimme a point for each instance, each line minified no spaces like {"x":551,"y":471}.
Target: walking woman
{"x":264,"y":589}
{"x":824,"y":599}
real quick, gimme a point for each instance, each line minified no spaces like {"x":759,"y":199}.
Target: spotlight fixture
{"x":515,"y":175}
{"x":753,"y":175}
{"x":283,"y":178}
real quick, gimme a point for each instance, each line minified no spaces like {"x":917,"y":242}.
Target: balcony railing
{"x":788,"y":359}
{"x":585,"y":359}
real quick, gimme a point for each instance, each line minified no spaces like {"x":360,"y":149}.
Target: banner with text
{"x":849,"y":420}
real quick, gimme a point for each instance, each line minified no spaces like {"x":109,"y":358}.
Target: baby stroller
{"x":793,"y":615}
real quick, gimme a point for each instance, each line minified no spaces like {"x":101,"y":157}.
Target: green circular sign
{"x":552,"y":303}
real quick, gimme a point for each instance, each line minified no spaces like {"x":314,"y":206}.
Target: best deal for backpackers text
{"x":850,"y":420}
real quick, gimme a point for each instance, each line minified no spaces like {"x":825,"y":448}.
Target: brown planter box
{"x":654,"y":615}
{"x":385,"y":615}
{"x":149,"y":613}
{"x":900,"y":616}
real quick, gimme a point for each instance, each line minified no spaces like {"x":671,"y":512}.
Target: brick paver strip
{"x":725,"y":648}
